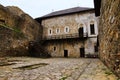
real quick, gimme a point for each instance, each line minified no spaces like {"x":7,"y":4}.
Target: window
{"x":92,"y":29}
{"x":81,"y":32}
{"x":57,"y":30}
{"x":49,"y":31}
{"x":66,"y":29}
{"x":54,"y":48}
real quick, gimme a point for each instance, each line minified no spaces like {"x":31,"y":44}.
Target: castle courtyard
{"x":26,"y":68}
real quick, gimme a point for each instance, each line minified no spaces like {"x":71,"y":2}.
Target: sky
{"x":38,"y":8}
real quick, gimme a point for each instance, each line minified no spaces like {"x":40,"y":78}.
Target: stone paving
{"x":24,"y":68}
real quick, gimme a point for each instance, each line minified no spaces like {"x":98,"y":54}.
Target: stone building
{"x":109,"y":32}
{"x":70,"y":33}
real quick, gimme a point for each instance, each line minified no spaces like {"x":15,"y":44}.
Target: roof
{"x":66,"y":11}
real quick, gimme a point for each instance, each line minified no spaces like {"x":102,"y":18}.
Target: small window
{"x":57,"y":30}
{"x":92,"y":29}
{"x":66,"y":29}
{"x":54,"y":48}
{"x":50,"y":31}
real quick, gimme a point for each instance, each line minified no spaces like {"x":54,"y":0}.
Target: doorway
{"x":80,"y":32}
{"x":65,"y":53}
{"x":82,"y":52}
{"x":96,"y":48}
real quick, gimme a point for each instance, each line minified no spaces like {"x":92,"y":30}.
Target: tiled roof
{"x":67,"y":11}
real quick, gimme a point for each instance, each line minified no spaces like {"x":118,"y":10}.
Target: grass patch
{"x":118,"y":79}
{"x":13,"y":29}
{"x":63,"y":78}
{"x":76,"y":68}
{"x":108,"y":72}
{"x":17,"y":31}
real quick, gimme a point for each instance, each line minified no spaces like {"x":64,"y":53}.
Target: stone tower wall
{"x":109,"y":34}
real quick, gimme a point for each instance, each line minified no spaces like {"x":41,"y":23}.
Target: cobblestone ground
{"x":22,"y":68}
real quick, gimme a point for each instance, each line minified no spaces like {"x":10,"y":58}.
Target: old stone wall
{"x":73,"y":22}
{"x":56,"y":48}
{"x":109,"y":34}
{"x":17,"y":29}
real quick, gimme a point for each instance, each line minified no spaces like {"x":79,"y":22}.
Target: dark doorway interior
{"x":96,"y":48}
{"x":82,"y":52}
{"x":92,"y":29}
{"x":81,"y":32}
{"x":65,"y":53}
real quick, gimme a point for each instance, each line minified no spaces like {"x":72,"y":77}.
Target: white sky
{"x":37,"y":8}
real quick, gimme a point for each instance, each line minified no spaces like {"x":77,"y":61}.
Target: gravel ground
{"x":26,"y":68}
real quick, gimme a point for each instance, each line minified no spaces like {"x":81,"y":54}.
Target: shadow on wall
{"x":36,"y":50}
{"x":92,"y":56}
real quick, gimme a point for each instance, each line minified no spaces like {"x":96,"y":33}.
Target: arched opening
{"x":81,"y":31}
{"x":92,"y":28}
{"x":50,"y":32}
{"x":66,"y":30}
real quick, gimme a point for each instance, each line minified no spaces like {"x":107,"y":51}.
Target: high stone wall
{"x":109,"y":34}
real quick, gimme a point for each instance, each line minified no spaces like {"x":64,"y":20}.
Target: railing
{"x":65,"y":36}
